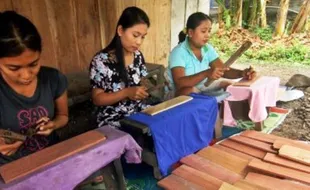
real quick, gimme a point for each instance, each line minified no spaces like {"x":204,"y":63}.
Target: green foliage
{"x":264,"y":33}
{"x":277,"y":53}
{"x":280,"y":53}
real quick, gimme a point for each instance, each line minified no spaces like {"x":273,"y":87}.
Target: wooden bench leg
{"x":119,"y":174}
{"x":218,"y":127}
{"x":259,"y":126}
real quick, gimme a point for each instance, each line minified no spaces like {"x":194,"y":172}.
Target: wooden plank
{"x":260,"y":154}
{"x":88,"y":24}
{"x":178,"y":20}
{"x":206,"y":181}
{"x":166,"y":105}
{"x":173,"y":182}
{"x":148,"y":47}
{"x":267,"y":138}
{"x":210,"y":168}
{"x":275,"y":159}
{"x":49,"y":155}
{"x":66,"y":34}
{"x":229,"y":161}
{"x":6,"y":5}
{"x":243,"y":184}
{"x":280,"y":171}
{"x":234,"y":152}
{"x":274,"y":183}
{"x":295,"y":153}
{"x":253,"y":143}
{"x":162,"y":35}
{"x":227,"y":186}
{"x":279,"y":143}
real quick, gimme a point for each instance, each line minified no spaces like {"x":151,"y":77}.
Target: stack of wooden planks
{"x":250,"y":160}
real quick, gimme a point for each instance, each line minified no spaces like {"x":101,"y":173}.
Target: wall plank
{"x":65,"y":34}
{"x":162,"y":33}
{"x":148,"y":46}
{"x":6,"y":5}
{"x":88,"y":30}
{"x":191,"y":7}
{"x":177,"y":20}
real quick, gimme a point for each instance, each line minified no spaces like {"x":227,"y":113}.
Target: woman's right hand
{"x":137,"y":93}
{"x":217,"y":72}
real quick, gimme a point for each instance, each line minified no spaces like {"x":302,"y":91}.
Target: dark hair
{"x":193,"y":22}
{"x":130,"y":17}
{"x":17,"y":34}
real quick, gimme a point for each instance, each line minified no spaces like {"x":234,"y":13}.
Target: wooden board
{"x":246,"y":83}
{"x":279,"y":143}
{"x":274,"y":183}
{"x":295,"y":153}
{"x":229,"y":161}
{"x":234,"y":152}
{"x":227,"y":186}
{"x":202,"y":179}
{"x":243,"y":184}
{"x":173,"y":182}
{"x":280,"y":171}
{"x":267,"y":138}
{"x":210,"y":168}
{"x":260,"y":154}
{"x":153,"y":110}
{"x":253,"y":143}
{"x":49,"y":155}
{"x":275,"y":159}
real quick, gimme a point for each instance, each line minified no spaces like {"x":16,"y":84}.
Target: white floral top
{"x":104,"y":75}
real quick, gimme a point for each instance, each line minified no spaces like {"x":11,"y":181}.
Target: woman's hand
{"x":9,"y":149}
{"x":216,"y":73}
{"x":45,"y":126}
{"x":137,"y":93}
{"x":249,"y":73}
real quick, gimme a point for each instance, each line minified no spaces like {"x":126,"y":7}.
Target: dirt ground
{"x":297,"y":123}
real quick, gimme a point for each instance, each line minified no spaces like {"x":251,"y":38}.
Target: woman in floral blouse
{"x":116,"y":71}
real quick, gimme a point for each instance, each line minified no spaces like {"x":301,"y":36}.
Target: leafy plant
{"x":264,"y":33}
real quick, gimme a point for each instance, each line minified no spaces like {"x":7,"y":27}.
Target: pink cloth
{"x":261,"y":94}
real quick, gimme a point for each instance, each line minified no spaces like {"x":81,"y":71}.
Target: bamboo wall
{"x":74,"y":30}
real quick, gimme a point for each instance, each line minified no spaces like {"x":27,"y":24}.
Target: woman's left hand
{"x":249,"y":73}
{"x":45,"y":126}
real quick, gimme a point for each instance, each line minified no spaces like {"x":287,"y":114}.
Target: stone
{"x":299,"y":80}
{"x":307,"y":90}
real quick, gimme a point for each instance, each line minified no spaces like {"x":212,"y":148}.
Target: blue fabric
{"x":181,"y":130}
{"x":183,"y":56}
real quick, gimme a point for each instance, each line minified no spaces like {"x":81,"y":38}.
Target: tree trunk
{"x":245,"y":10}
{"x":263,"y":17}
{"x":238,"y":17}
{"x":281,"y":18}
{"x":220,"y":17}
{"x":301,"y":18}
{"x":253,"y":13}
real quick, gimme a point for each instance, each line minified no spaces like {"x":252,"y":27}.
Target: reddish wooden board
{"x":210,"y":168}
{"x":280,"y":171}
{"x":253,"y":143}
{"x":49,"y":155}
{"x":260,"y":154}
